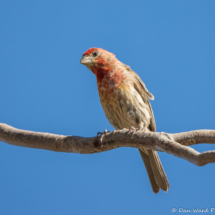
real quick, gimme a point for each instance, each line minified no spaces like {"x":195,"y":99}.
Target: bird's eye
{"x":95,"y":54}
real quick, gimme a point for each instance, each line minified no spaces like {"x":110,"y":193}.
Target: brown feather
{"x":150,"y":158}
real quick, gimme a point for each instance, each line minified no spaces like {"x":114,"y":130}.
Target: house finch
{"x":125,"y":100}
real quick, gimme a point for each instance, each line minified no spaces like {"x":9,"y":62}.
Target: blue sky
{"x":43,"y":87}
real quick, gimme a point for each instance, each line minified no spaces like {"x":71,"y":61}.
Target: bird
{"x":125,"y":101}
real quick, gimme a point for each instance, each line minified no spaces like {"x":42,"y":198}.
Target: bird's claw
{"x":133,"y":130}
{"x":113,"y":132}
{"x":101,"y":134}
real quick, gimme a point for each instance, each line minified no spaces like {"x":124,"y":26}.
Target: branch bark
{"x":175,"y":144}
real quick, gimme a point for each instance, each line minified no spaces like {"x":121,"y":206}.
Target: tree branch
{"x":175,"y":144}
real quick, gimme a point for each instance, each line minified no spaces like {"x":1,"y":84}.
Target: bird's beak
{"x":86,"y":60}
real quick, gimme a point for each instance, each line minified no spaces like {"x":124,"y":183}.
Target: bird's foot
{"x":113,"y":132}
{"x":101,"y":135}
{"x":134,"y":130}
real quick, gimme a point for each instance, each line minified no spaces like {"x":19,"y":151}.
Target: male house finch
{"x":125,"y":101}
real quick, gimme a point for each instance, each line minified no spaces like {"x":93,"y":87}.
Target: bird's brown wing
{"x":144,"y":93}
{"x":150,"y":158}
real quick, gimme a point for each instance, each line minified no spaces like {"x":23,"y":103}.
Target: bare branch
{"x":175,"y":144}
{"x":195,"y":137}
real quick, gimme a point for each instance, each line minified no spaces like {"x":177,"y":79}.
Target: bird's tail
{"x":155,"y":170}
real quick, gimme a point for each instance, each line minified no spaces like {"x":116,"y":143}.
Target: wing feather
{"x":144,"y":93}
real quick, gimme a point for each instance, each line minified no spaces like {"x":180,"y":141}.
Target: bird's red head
{"x":90,"y":51}
{"x":98,"y":60}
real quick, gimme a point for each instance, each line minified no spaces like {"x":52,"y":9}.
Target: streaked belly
{"x":124,"y":108}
